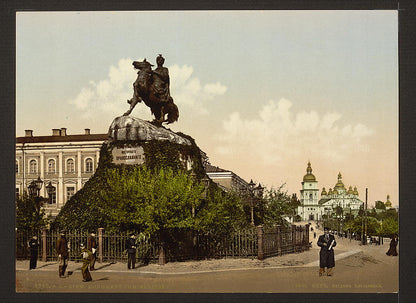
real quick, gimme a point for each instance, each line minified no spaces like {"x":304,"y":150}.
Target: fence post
{"x":100,"y":245}
{"x":162,"y":256}
{"x":44,"y":245}
{"x":260,"y":251}
{"x":279,"y":240}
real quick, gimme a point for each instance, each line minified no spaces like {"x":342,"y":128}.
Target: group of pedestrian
{"x":88,"y":254}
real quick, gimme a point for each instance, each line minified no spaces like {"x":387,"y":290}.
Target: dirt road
{"x":368,"y":270}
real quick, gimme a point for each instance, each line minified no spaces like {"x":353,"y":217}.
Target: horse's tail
{"x":172,"y":111}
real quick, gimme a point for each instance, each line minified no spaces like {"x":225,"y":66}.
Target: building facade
{"x":66,"y":161}
{"x":226,"y":179}
{"x":314,"y":208}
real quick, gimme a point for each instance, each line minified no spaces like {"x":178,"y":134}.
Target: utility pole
{"x":366,"y":198}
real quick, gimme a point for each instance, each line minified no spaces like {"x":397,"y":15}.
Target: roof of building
{"x":67,"y":138}
{"x":309,"y":177}
{"x":215,"y":169}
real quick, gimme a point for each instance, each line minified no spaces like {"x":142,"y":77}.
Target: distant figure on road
{"x":393,"y":244}
{"x":326,"y":256}
{"x":92,"y":246}
{"x":86,"y":257}
{"x":33,"y":245}
{"x":131,"y":251}
{"x":62,"y":251}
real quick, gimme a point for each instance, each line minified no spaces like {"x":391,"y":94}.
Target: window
{"x":310,"y":196}
{"x":17,"y":193}
{"x":33,"y":167}
{"x":51,"y":166}
{"x":70,"y":166}
{"x":17,"y":167}
{"x":70,"y":191}
{"x":89,"y":165}
{"x":52,"y":197}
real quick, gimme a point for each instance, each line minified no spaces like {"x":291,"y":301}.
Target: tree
{"x":30,"y":216}
{"x":389,"y":227}
{"x":278,"y":204}
{"x":380,"y":205}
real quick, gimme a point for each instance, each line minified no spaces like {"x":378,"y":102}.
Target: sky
{"x":261,"y":92}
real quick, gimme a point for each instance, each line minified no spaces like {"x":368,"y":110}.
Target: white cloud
{"x":280,"y":135}
{"x":109,"y":96}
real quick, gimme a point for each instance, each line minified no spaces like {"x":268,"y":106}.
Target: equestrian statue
{"x":152,"y":87}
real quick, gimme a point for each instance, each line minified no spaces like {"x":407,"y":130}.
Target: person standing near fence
{"x":131,"y":251}
{"x":326,"y":256}
{"x":86,"y":256}
{"x":62,"y":251}
{"x":92,"y":246}
{"x":33,"y":246}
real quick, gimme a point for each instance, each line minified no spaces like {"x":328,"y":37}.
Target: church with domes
{"x":313,"y":207}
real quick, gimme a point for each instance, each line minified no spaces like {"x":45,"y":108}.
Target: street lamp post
{"x":34,"y":190}
{"x":50,"y":189}
{"x":254,"y":195}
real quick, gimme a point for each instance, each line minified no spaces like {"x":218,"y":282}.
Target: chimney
{"x":56,"y":132}
{"x":63,"y":131}
{"x":87,"y":131}
{"x":28,"y":133}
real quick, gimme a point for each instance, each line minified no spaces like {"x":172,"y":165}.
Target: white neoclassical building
{"x":313,"y":208}
{"x":67,"y":161}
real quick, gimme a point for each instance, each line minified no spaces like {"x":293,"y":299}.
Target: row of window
{"x":70,"y":166}
{"x":70,"y":191}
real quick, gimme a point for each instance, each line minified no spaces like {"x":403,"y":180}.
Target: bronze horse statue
{"x":152,"y":87}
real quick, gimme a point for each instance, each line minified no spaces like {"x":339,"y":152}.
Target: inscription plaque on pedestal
{"x":129,"y":155}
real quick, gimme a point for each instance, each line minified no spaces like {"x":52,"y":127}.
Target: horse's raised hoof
{"x":129,"y":101}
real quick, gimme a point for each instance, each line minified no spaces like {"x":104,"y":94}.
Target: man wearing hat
{"x":326,"y":256}
{"x":86,"y":257}
{"x":34,"y":246}
{"x":62,"y":251}
{"x":131,"y":250}
{"x":92,"y":246}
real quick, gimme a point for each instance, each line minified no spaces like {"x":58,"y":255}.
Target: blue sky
{"x":262,"y":92}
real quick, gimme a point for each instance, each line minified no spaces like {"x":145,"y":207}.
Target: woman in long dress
{"x":393,"y":244}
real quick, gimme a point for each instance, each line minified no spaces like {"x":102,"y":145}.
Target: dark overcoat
{"x":62,"y":247}
{"x":326,"y":257}
{"x":131,"y":245}
{"x":92,"y":243}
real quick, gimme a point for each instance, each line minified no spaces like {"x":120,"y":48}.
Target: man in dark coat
{"x":92,"y":247}
{"x":326,"y":256}
{"x":62,"y":251}
{"x":131,"y":251}
{"x":33,"y":245}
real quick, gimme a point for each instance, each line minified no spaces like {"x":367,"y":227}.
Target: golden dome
{"x":388,"y":203}
{"x":339,"y":184}
{"x":323,"y":193}
{"x":350,"y":191}
{"x":309,"y":177}
{"x":355,"y":191}
{"x":335,"y":192}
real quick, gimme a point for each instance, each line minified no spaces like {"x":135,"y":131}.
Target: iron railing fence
{"x":181,"y":246}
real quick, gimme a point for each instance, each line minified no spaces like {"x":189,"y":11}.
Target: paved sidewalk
{"x":304,"y":259}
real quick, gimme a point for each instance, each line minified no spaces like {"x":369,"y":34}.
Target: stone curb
{"x":311,"y":264}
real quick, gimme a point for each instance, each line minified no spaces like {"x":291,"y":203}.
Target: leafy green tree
{"x":389,"y":227}
{"x":278,"y":204}
{"x":30,"y":216}
{"x":380,"y":205}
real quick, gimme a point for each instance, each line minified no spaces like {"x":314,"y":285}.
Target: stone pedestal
{"x":127,"y":128}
